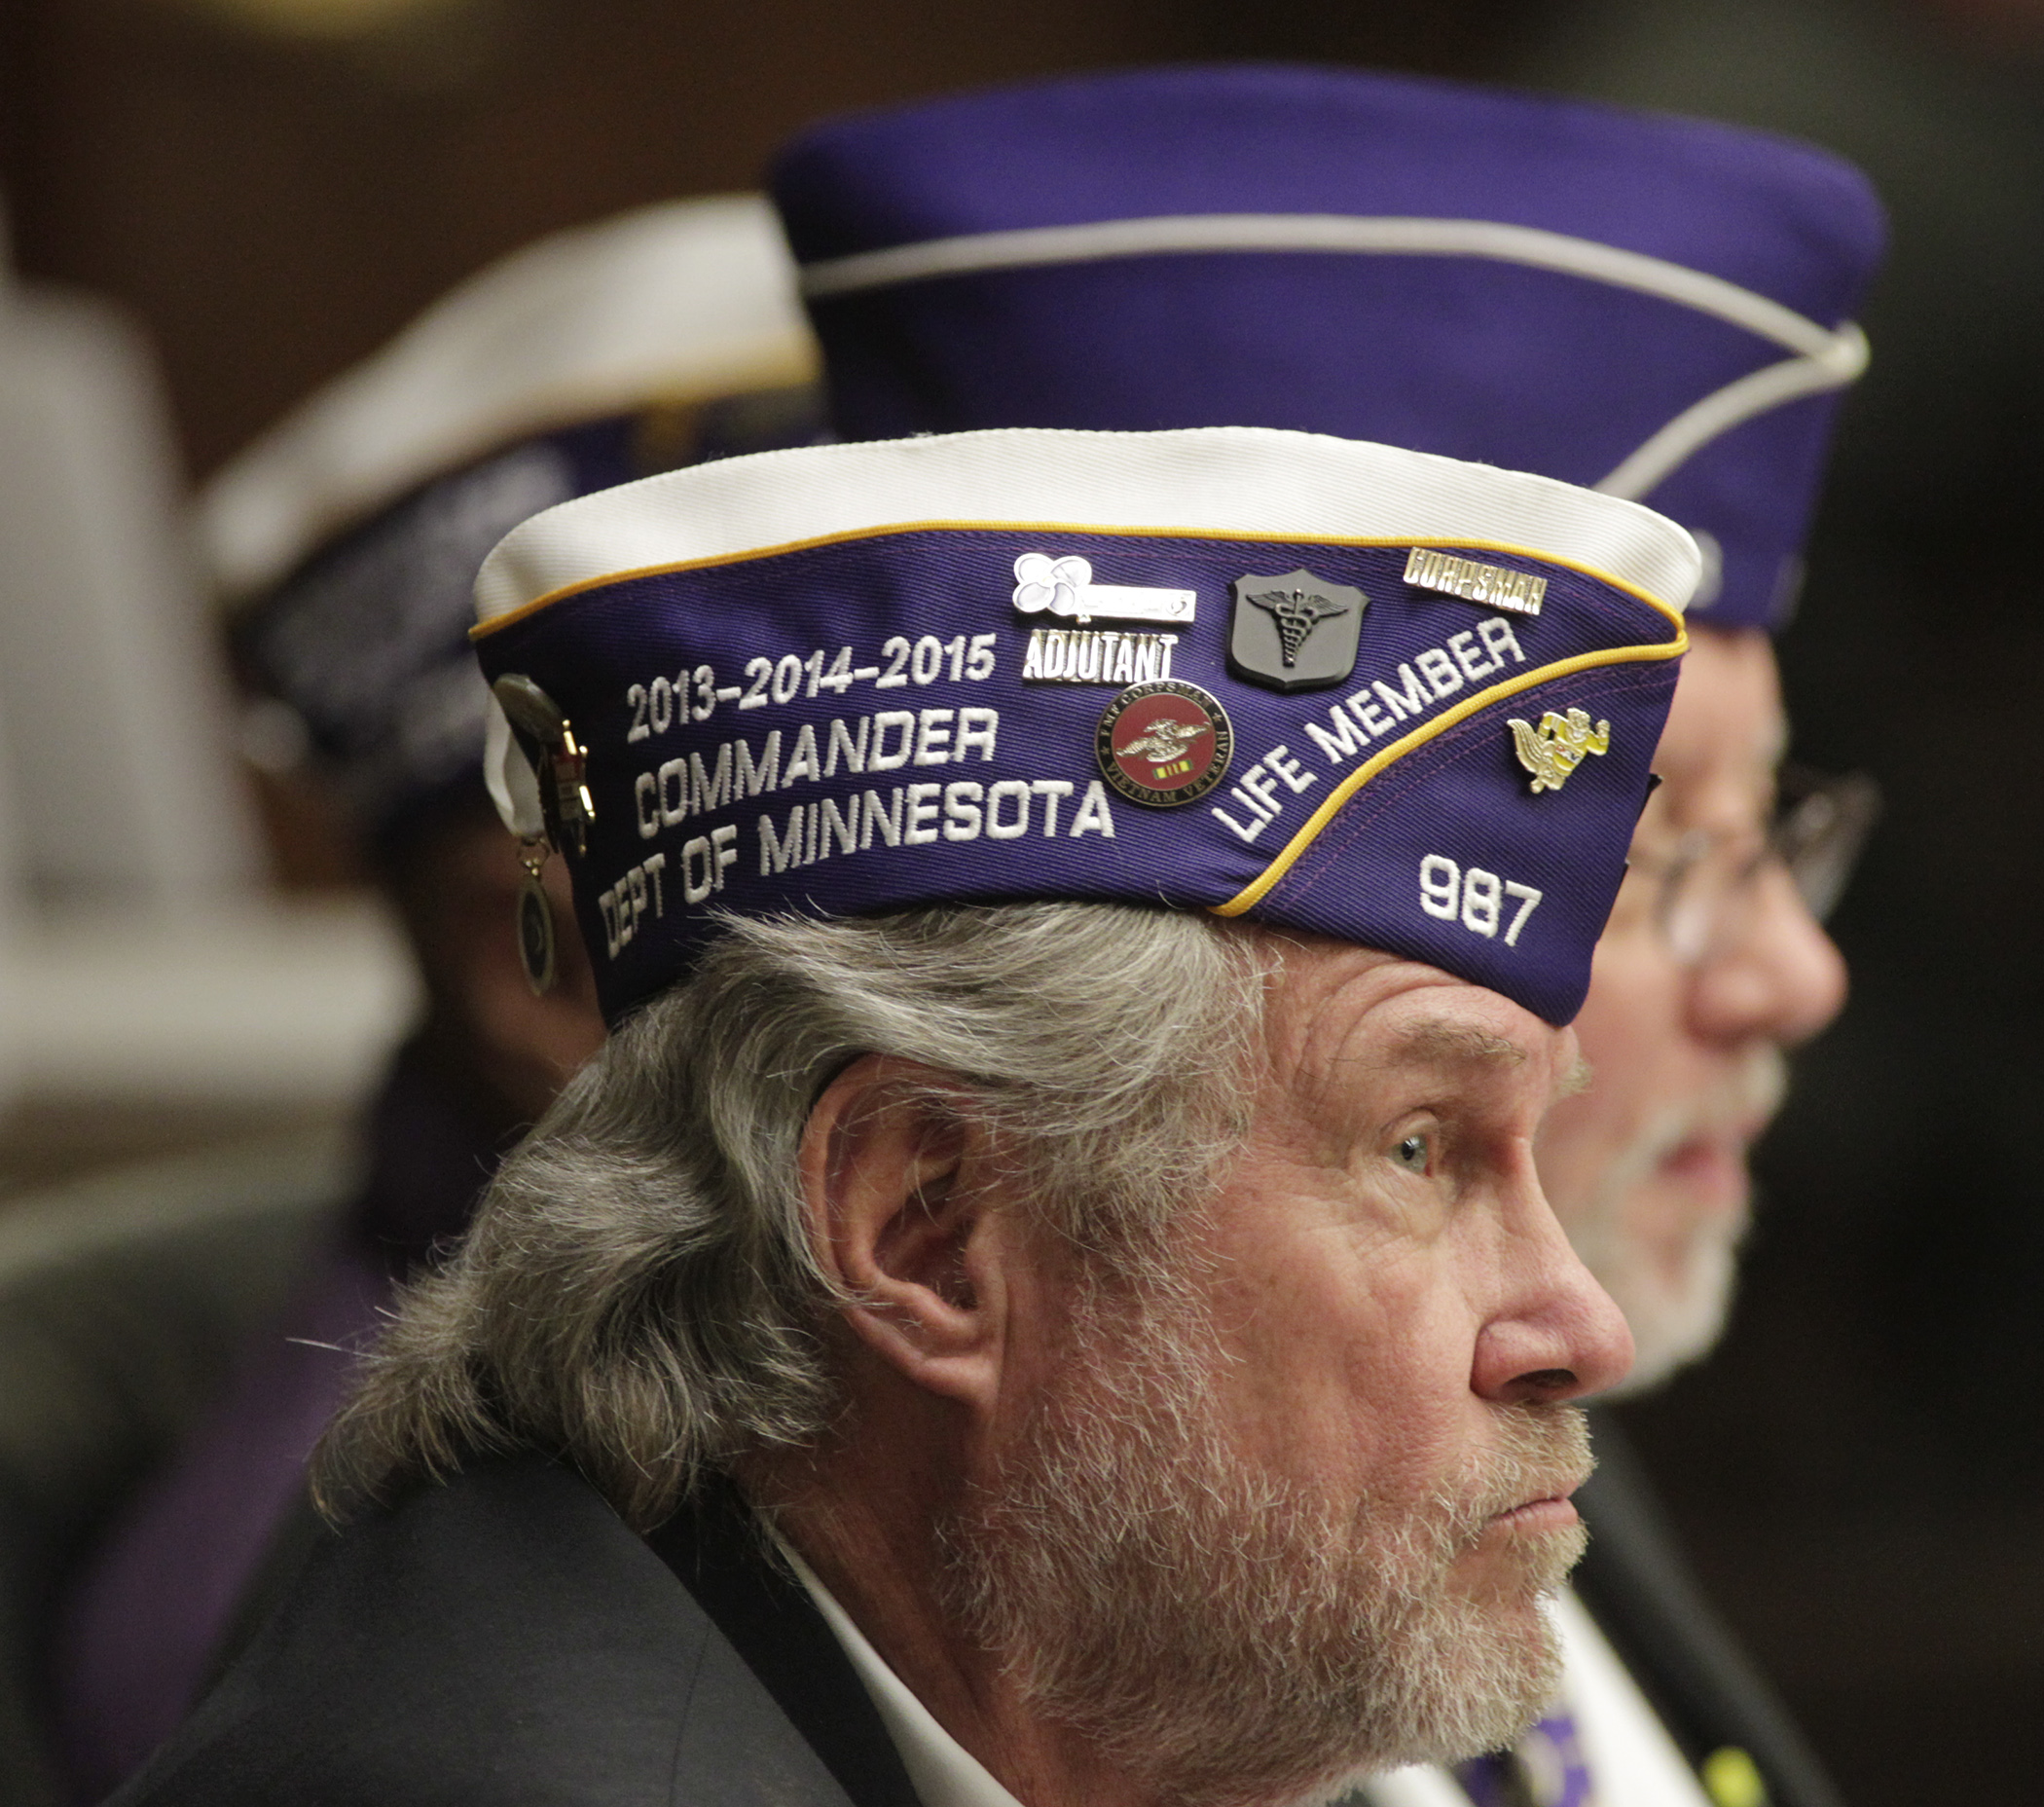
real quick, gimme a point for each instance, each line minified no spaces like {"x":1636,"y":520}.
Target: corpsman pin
{"x":1297,"y":632}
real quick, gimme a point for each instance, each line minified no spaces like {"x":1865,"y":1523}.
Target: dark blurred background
{"x":272,"y":187}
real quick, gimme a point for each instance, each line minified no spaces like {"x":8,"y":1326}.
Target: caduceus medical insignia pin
{"x":1294,"y":632}
{"x":1560,"y":744}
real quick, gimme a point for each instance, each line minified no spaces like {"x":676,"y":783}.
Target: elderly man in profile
{"x":1036,"y":1302}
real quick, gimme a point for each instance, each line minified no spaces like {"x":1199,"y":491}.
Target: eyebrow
{"x":1441,"y":1042}
{"x":1452,"y":1044}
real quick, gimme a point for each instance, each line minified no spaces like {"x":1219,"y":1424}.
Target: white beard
{"x":1677,"y":1316}
{"x":1223,"y":1635}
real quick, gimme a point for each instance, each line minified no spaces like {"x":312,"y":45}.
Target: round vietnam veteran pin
{"x":1165,"y":743}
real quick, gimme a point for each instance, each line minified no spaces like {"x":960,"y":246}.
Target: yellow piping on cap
{"x":1258,"y":888}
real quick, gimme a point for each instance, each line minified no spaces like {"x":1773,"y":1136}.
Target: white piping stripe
{"x":1825,"y":359}
{"x":1319,"y":232}
{"x":1697,"y":425}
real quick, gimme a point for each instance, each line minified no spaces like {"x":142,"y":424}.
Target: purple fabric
{"x":1461,"y":797}
{"x":140,"y":1633}
{"x":1545,"y":1768}
{"x":1476,"y":359}
{"x":138,"y":1636}
{"x":428,"y":1163}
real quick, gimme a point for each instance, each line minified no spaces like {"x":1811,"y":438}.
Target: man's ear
{"x":894,"y":1186}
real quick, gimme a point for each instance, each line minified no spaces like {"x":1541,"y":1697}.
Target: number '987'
{"x":1477,"y":899}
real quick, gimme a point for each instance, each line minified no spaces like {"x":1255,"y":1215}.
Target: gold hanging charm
{"x":534,"y":921}
{"x":561,"y":766}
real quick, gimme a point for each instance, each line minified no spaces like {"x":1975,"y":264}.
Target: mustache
{"x":1541,"y":1452}
{"x":1751,"y":1095}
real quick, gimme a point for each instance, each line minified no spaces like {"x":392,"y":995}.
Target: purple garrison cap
{"x":1370,"y":692}
{"x":1653,"y":307}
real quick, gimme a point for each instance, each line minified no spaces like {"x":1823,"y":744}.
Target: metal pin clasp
{"x":548,"y":739}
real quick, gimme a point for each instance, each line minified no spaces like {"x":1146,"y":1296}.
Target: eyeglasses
{"x":1709,"y":885}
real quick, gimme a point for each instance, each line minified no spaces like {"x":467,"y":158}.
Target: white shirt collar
{"x":940,"y":1769}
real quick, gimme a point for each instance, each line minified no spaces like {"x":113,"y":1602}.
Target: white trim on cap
{"x":1841,"y":362}
{"x":1826,"y":359}
{"x":1389,"y":234}
{"x":1257,"y":483}
{"x":680,"y":302}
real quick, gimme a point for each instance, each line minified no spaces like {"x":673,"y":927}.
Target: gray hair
{"x":639,"y":1295}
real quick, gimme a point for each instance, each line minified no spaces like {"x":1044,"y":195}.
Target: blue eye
{"x":1414,"y":1154}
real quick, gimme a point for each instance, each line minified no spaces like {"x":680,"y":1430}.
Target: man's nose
{"x":1781,"y":979}
{"x":1557,"y":1334}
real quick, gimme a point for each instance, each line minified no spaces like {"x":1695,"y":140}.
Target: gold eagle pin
{"x":1560,"y":744}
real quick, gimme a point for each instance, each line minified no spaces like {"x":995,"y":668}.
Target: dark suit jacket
{"x":126,"y":1301}
{"x":1685,"y":1660}
{"x":505,"y":1640}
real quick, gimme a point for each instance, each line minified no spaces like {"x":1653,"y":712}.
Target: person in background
{"x":1656,"y":307}
{"x":347,"y":540}
{"x":1038,"y":1299}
